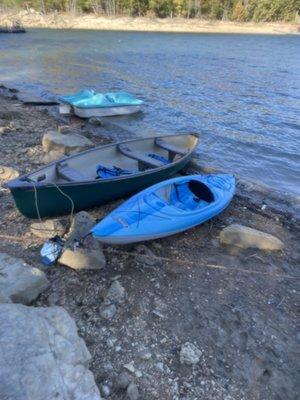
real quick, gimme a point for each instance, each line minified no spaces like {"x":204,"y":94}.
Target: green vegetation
{"x":228,"y":10}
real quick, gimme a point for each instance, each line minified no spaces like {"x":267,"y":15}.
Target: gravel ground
{"x":237,"y":307}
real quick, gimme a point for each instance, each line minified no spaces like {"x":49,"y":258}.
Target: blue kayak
{"x":81,"y":95}
{"x":167,"y":208}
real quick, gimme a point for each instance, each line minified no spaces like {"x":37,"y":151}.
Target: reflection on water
{"x":242,"y":92}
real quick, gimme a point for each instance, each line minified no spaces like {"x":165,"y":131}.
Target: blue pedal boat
{"x":167,"y":208}
{"x":105,"y":105}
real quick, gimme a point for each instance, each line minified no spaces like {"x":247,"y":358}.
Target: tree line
{"x":226,"y":10}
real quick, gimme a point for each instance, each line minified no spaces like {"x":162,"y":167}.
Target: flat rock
{"x":81,"y":225}
{"x":69,"y":143}
{"x":245,"y":237}
{"x":20,"y":282}
{"x":189,"y":354}
{"x":49,"y":228}
{"x":82,"y":258}
{"x":42,"y":356}
{"x":7,"y":173}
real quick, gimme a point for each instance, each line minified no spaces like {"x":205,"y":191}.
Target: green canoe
{"x":101,"y":174}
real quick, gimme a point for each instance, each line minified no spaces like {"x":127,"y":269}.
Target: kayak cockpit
{"x":187,"y":196}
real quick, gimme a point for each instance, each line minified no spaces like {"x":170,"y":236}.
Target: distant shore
{"x":143,"y":24}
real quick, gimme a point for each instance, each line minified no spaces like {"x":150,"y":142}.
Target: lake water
{"x":240,"y":92}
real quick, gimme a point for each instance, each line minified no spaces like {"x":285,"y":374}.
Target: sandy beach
{"x":90,"y":21}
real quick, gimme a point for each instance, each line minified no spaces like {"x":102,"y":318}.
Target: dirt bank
{"x":237,"y":306}
{"x":91,"y":21}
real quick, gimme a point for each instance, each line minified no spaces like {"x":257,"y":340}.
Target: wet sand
{"x":238,"y":306}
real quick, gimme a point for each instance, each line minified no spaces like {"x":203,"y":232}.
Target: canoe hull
{"x":51,"y":202}
{"x":105,"y":111}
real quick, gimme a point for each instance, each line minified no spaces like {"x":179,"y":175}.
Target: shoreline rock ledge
{"x":42,"y":356}
{"x":245,"y":237}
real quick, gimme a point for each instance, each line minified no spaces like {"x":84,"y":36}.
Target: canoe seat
{"x":171,"y":148}
{"x":70,"y":174}
{"x":143,"y":159}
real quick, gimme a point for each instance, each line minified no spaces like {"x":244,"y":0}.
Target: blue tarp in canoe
{"x":167,"y":208}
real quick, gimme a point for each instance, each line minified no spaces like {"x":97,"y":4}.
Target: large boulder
{"x":245,"y":237}
{"x":7,"y":173}
{"x":42,"y":356}
{"x":20,"y":282}
{"x":70,"y":143}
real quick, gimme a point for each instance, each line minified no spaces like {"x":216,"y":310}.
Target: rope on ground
{"x":210,"y":266}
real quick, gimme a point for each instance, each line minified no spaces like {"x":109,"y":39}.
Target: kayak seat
{"x":143,"y":159}
{"x":172,"y":149}
{"x":191,"y":195}
{"x":70,"y":174}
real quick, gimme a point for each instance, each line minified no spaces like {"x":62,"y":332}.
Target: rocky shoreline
{"x":210,"y":313}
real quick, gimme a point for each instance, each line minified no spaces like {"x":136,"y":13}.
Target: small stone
{"x":105,"y":390}
{"x":160,"y":366}
{"x":138,"y":373}
{"x":189,"y":354}
{"x":108,"y":312}
{"x":144,"y":355}
{"x":130,"y":367}
{"x":132,"y":392}
{"x":7,"y":173}
{"x":245,"y":237}
{"x":68,"y":143}
{"x":95,"y":121}
{"x":83,"y":259}
{"x":159,"y":314}
{"x":48,"y":228}
{"x":116,"y":292}
{"x":123,"y":380}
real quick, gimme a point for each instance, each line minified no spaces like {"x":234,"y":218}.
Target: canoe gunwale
{"x":23,"y":184}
